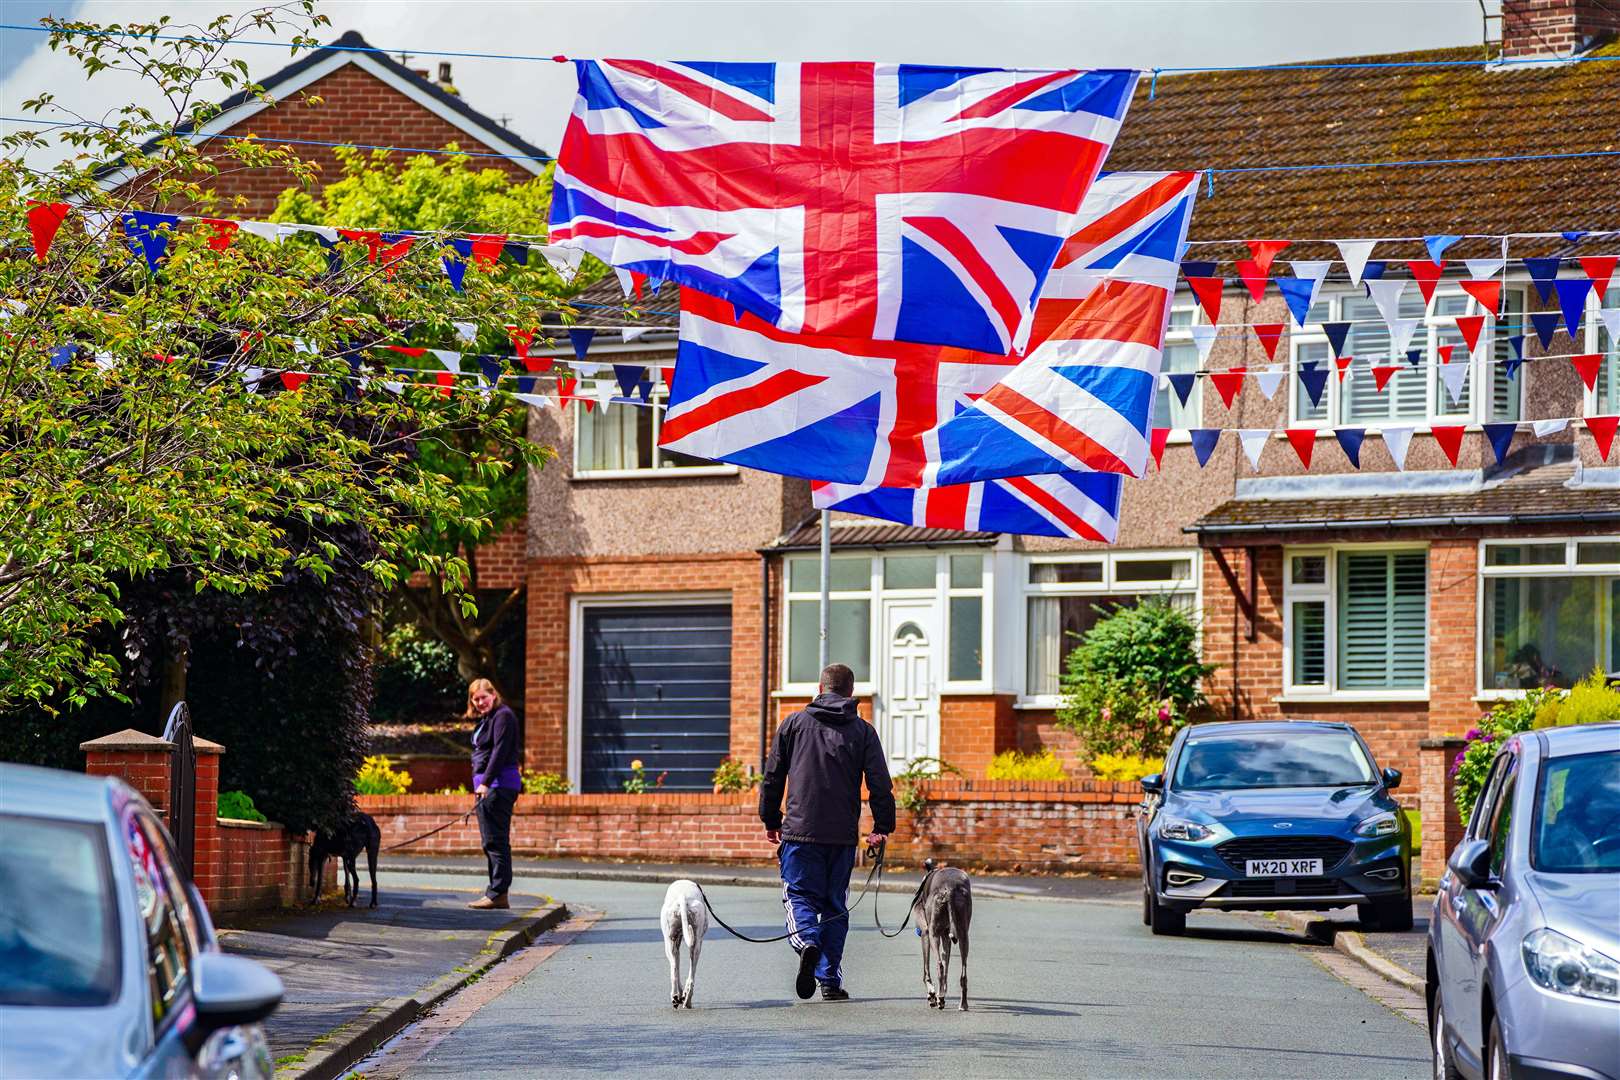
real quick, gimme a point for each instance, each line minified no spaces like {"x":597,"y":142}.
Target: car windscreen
{"x":1577,"y":823}
{"x":1272,"y":759}
{"x":59,"y":940}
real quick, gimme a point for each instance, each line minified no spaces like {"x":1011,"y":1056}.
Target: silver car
{"x":108,"y":961}
{"x":1524,"y":943}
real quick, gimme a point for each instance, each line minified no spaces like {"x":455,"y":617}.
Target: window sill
{"x":1353,"y":697}
{"x":655,"y":474}
{"x":1042,"y":702}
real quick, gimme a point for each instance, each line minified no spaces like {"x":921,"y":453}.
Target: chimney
{"x":1553,"y":28}
{"x":444,"y":73}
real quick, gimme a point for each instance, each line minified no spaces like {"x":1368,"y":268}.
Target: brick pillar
{"x":207,"y":850}
{"x":1442,"y":824}
{"x":141,"y":760}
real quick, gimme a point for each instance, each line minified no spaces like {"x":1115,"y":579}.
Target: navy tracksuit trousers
{"x":815,"y":887}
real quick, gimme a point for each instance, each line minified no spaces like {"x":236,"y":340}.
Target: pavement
{"x":355,"y":976}
{"x":1400,"y":958}
{"x":1058,"y":987}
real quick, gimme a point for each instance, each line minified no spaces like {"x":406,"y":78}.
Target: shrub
{"x":377,"y":776}
{"x":238,"y":806}
{"x":459,"y":789}
{"x":1124,"y":766}
{"x":1039,"y":765}
{"x":907,"y":790}
{"x":1505,"y":719}
{"x":545,"y":783}
{"x":733,"y":776}
{"x":1590,"y":701}
{"x":1133,"y":680}
{"x":416,"y":678}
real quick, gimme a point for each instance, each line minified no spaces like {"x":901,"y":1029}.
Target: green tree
{"x":173,"y":405}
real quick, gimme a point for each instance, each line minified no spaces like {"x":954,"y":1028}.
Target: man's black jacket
{"x":821,"y":753}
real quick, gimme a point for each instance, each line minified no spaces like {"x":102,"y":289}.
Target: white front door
{"x":907,"y":705}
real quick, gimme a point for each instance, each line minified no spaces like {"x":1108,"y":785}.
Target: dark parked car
{"x":1524,"y":943}
{"x":108,"y":961}
{"x":1265,"y":816}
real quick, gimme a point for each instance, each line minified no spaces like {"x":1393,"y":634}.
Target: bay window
{"x":1356,"y":621}
{"x":1550,"y":612}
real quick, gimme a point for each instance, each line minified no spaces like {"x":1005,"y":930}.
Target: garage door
{"x":657,"y":688}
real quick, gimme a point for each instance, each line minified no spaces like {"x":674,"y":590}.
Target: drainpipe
{"x":764,"y":654}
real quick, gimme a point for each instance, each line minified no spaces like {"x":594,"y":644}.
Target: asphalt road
{"x":1072,"y":989}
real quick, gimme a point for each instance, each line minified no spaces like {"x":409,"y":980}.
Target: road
{"x":1071,"y":989}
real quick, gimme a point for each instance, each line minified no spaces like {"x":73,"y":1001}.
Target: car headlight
{"x":1384,"y":824}
{"x":1175,"y":829}
{"x":1563,"y":965}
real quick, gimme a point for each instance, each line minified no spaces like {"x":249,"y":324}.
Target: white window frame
{"x":1328,"y":593}
{"x":576,"y":654}
{"x":1107,"y":586}
{"x":659,"y":397}
{"x":1568,"y":568}
{"x":1593,"y":342}
{"x":1480,"y":375}
{"x":1181,"y":335}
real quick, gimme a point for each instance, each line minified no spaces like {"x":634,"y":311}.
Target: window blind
{"x":1383,"y":620}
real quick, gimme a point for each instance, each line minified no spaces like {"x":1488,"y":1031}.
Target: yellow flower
{"x":636,"y":764}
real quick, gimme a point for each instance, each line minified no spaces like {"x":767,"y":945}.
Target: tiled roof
{"x":807,"y":534}
{"x":1251,"y":118}
{"x":1551,"y":493}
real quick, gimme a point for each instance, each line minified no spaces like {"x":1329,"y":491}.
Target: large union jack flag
{"x":870,"y":415}
{"x":1080,"y":506}
{"x":873,"y":201}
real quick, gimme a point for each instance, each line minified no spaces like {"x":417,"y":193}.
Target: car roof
{"x":54,"y":793}
{"x":1580,"y":739}
{"x":1252,"y":727}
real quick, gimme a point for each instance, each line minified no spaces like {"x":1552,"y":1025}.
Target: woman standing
{"x":496,"y":782}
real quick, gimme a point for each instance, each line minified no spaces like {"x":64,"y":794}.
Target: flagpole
{"x":826,"y":582}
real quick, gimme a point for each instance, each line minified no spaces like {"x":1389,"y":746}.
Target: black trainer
{"x":829,"y":992}
{"x":805,"y":984}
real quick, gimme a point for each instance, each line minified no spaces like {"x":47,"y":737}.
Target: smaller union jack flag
{"x":1080,"y":506}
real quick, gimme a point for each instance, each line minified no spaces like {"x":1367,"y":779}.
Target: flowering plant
{"x":1473,"y":762}
{"x":637,"y":783}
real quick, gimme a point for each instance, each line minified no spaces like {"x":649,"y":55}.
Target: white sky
{"x":1009,"y":33}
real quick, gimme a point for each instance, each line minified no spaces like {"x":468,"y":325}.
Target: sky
{"x":536,"y":95}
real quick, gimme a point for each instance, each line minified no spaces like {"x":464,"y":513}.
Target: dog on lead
{"x":357,"y":833}
{"x":942,"y":914}
{"x":684,"y":920}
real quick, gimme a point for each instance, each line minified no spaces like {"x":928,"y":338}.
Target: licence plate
{"x":1284,"y":868}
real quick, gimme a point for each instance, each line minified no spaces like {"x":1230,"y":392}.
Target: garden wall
{"x":1000,"y":824}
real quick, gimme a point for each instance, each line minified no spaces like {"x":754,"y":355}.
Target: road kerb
{"x":1354,"y":946}
{"x":335,"y":1053}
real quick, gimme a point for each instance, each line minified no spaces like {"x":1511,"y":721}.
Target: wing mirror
{"x":1153,"y":783}
{"x":1392,"y":778}
{"x":1471,"y":862}
{"x":227,"y":991}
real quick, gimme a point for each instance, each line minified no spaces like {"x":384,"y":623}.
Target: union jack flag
{"x":873,"y":201}
{"x":890,"y":414}
{"x":1080,"y":506}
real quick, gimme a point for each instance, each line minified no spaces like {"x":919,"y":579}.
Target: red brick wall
{"x":1078,"y":826}
{"x":1555,"y":27}
{"x":261,"y":866}
{"x":147,"y":772}
{"x":553,"y":583}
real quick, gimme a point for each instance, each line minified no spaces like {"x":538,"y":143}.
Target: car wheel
{"x":1444,"y":1069}
{"x":1496,"y":1059}
{"x":1393,"y":916}
{"x":1165,"y":921}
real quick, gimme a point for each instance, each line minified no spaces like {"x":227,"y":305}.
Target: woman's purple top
{"x":495,"y":750}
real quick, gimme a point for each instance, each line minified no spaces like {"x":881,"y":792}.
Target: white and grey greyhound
{"x":684,"y":920}
{"x":943,"y":914}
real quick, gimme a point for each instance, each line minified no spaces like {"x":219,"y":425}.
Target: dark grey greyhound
{"x":942,"y":914}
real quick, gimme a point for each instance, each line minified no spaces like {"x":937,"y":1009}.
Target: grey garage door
{"x":657,"y":688}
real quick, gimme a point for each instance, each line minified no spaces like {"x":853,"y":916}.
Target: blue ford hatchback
{"x":1265,"y":816}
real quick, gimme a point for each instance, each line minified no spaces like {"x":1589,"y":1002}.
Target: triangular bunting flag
{"x":1311,"y":269}
{"x":1438,"y":243}
{"x":1469,"y":326}
{"x":446,"y":381}
{"x":491,"y":367}
{"x":1381,"y":375}
{"x":450,"y":360}
{"x":1396,"y":441}
{"x":1336,"y":332}
{"x":638,"y":283}
{"x":1572,"y":300}
{"x":1501,"y":437}
{"x":588,"y":370}
{"x":1542,"y":273}
{"x":1484,"y":268}
{"x":1228,"y":383}
{"x":564,"y":260}
{"x":1156,"y":440}
{"x":1197,"y":268}
{"x":1387,"y":295}
{"x":1182,"y":383}
{"x":1400,"y":334}
{"x":1264,"y":251}
{"x":669,"y":377}
{"x":1586,"y":365}
{"x":644,"y":390}
{"x":581,"y":340}
{"x":627,"y":376}
{"x":632,"y":333}
{"x":44,"y":219}
{"x":1516,"y":343}
{"x":1599,"y":268}
{"x":1343,"y":364}
{"x":1510,"y":368}
{"x":1350,"y":440}
{"x":1355,"y":253}
{"x":1303,"y":441}
{"x":1602,"y":429}
{"x":1254,"y":444}
{"x":625,"y":282}
{"x":1455,"y":376}
{"x":565,"y":386}
{"x":292,"y":380}
{"x":466,"y":331}
{"x":1208,"y":290}
{"x":1426,"y":274}
{"x":537,"y":364}
{"x":1573,"y":237}
{"x":1298,"y":294}
{"x":62,"y":356}
{"x":1449,"y":436}
{"x":1269,"y":379}
{"x":1546,"y":325}
{"x":1488,"y":291}
{"x":1372,"y":271}
{"x":1253,"y":277}
{"x":1203,"y":442}
{"x":1544,"y":428}
{"x":1445,"y":353}
{"x":1611,"y":322}
{"x":1203,"y":335}
{"x":604,"y":392}
{"x":264,"y":230}
{"x":524,"y":384}
{"x":1313,"y":379}
{"x":147,"y":235}
{"x":539,"y":401}
{"x":1269,"y":333}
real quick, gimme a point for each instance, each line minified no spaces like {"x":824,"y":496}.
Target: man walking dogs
{"x":497,"y":781}
{"x":822,"y":753}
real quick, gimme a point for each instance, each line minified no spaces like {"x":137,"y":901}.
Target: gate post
{"x":141,"y":760}
{"x":207,"y":845}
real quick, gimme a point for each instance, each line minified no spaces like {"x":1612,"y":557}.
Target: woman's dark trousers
{"x":495,"y":826}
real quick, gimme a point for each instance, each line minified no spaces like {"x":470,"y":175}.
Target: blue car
{"x":1266,"y":816}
